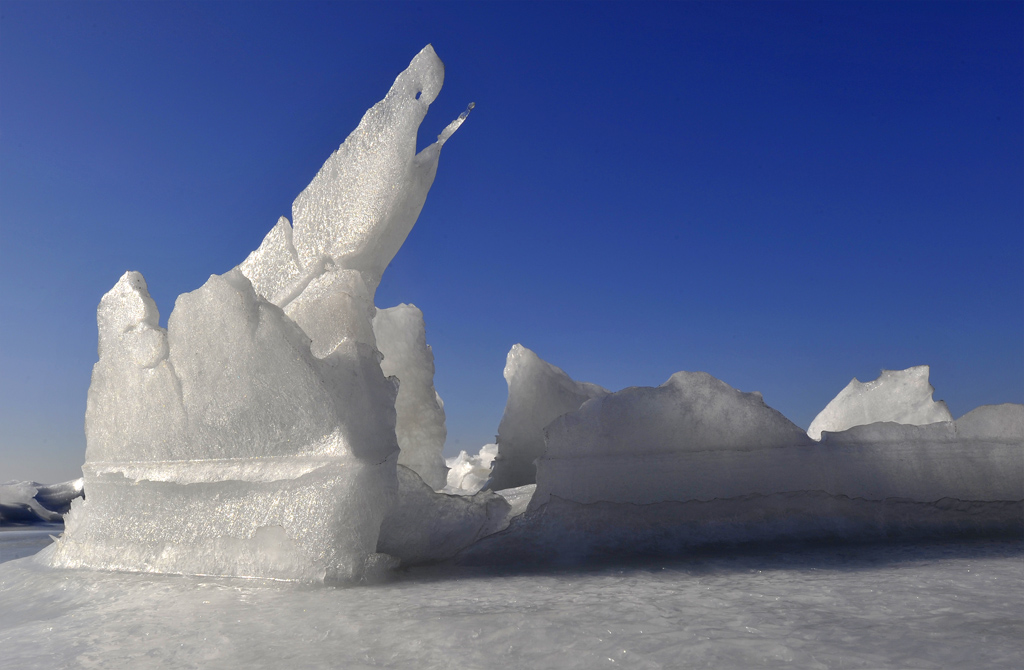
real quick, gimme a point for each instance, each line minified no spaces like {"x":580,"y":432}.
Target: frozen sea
{"x":934,"y":605}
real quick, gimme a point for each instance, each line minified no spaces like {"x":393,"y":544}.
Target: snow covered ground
{"x":935,"y":605}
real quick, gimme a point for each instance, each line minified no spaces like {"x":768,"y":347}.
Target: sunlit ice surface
{"x":926,"y":605}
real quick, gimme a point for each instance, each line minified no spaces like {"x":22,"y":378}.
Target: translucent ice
{"x":401,"y":338}
{"x":255,"y":436}
{"x":901,"y":396}
{"x":537,"y":393}
{"x":351,"y":212}
{"x":425,"y":526}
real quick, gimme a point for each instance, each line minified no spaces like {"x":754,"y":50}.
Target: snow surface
{"x":928,"y":606}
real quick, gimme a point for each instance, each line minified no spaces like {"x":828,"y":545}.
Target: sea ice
{"x":640,"y":445}
{"x":426,"y":526}
{"x":900,"y":396}
{"x":694,"y":461}
{"x":468,"y":473}
{"x":401,"y":338}
{"x":537,"y":393}
{"x":32,"y":502}
{"x":255,"y":436}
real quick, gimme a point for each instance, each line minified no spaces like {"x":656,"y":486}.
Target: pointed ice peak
{"x":454,"y":125}
{"x":127,"y":305}
{"x":899,"y":396}
{"x":363,"y":202}
{"x":538,"y":392}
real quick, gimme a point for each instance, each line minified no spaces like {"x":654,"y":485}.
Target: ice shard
{"x":538,"y":392}
{"x":255,"y":436}
{"x":402,"y":339}
{"x":900,"y":396}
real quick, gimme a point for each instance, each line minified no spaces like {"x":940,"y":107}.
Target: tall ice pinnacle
{"x":351,"y":213}
{"x":255,"y":436}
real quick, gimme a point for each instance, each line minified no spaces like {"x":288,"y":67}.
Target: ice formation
{"x":696,"y":462}
{"x":425,"y":526}
{"x":643,"y":444}
{"x":696,"y":438}
{"x":900,"y":396}
{"x":255,"y":436}
{"x":401,"y":338}
{"x":283,"y":427}
{"x":469,"y":473}
{"x":32,"y":502}
{"x":538,"y":392}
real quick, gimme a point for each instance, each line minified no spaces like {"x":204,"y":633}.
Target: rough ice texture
{"x":334,"y":307}
{"x":420,"y":428}
{"x":538,"y":392}
{"x":425,"y":526}
{"x":352,"y":211}
{"x":32,"y":502}
{"x":468,"y":473}
{"x":313,"y":527}
{"x":255,"y":436}
{"x":231,"y":377}
{"x":900,"y":396}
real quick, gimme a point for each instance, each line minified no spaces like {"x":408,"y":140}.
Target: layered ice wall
{"x":691,"y":437}
{"x":255,"y":436}
{"x":402,"y":339}
{"x":697,"y":438}
{"x":695,"y":462}
{"x":538,"y":392}
{"x":900,"y":396}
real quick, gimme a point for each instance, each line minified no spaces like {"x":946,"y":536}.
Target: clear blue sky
{"x":783,"y":195}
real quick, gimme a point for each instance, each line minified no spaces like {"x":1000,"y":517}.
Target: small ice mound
{"x":420,"y":424}
{"x":467,"y":473}
{"x":899,"y":396}
{"x":425,"y":526}
{"x":642,"y":444}
{"x":538,"y":392}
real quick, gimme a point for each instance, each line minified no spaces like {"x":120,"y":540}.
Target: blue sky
{"x":783,"y":195}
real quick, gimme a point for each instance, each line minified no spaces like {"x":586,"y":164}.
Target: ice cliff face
{"x":256,"y":435}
